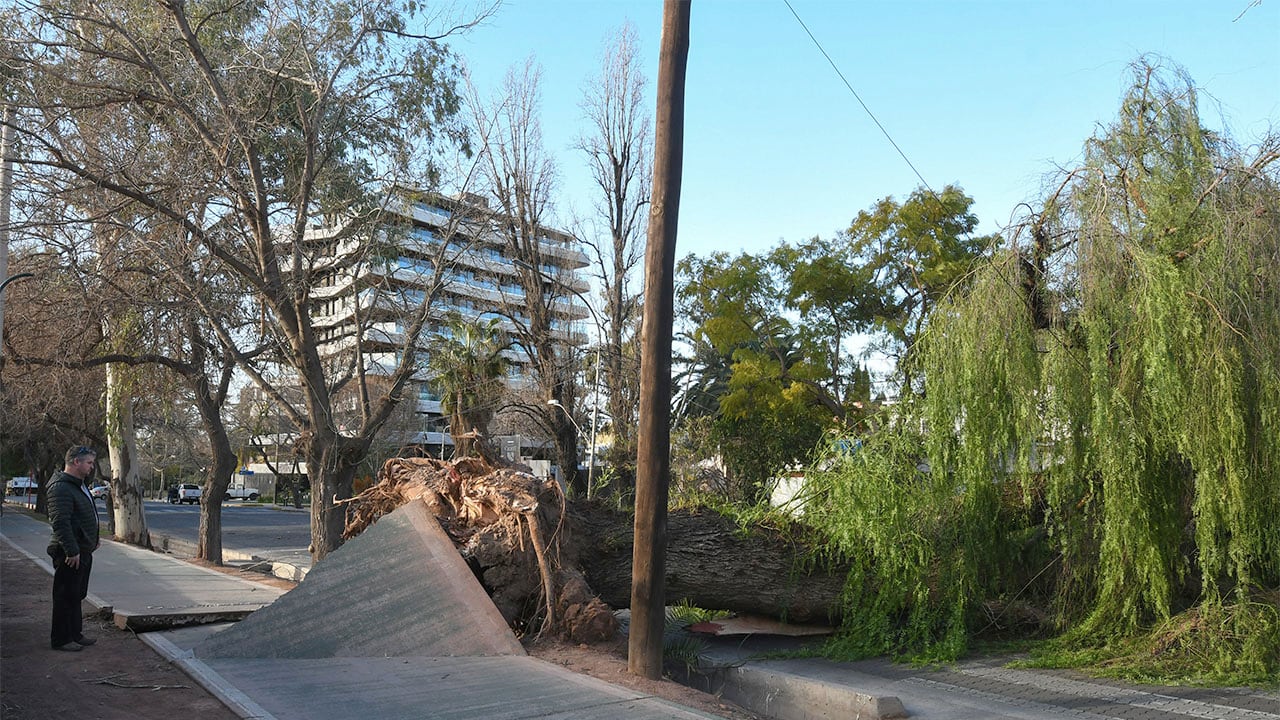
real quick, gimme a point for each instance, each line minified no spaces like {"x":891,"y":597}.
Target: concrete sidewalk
{"x":143,"y":590}
{"x":745,"y":671}
{"x":509,"y":686}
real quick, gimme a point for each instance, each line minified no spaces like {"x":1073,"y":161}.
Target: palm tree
{"x":469,"y":370}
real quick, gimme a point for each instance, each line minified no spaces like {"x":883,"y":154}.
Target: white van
{"x":22,"y":486}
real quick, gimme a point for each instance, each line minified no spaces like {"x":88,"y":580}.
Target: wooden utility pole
{"x":653,"y":462}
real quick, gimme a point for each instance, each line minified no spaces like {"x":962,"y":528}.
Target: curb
{"x":236,"y":701}
{"x":256,"y":563}
{"x":787,"y":696}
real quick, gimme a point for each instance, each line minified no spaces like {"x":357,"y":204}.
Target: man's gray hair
{"x":78,"y":452}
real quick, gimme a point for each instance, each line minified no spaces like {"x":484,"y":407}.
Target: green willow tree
{"x":1101,"y":415}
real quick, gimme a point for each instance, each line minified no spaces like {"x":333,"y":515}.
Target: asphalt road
{"x":262,"y":530}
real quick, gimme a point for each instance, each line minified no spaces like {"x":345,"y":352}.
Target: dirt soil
{"x":608,"y":662}
{"x":121,"y":678}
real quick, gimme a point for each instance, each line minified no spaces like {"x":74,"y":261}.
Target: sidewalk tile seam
{"x":1004,"y":699}
{"x":1136,"y":698}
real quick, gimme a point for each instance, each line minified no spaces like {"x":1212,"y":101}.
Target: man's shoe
{"x":69,"y":647}
{"x":85,"y":641}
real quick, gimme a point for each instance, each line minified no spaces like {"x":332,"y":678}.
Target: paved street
{"x":265,"y":531}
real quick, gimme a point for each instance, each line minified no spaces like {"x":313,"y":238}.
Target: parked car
{"x":100,"y":491}
{"x":242,"y":493}
{"x":187,"y":493}
{"x":22,"y":486}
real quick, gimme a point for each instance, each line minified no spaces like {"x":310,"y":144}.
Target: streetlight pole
{"x":595,"y":390}
{"x":6,"y":199}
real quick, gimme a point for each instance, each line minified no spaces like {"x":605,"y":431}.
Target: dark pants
{"x":70,"y":587}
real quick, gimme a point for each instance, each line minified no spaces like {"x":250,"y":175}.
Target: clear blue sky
{"x":992,"y":95}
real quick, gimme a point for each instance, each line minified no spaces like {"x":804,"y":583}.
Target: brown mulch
{"x":608,"y":662}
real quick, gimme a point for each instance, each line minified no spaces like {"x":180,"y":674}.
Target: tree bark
{"x":710,"y":563}
{"x":129,"y":522}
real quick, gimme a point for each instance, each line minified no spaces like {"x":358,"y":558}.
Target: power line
{"x":999,"y":272}
{"x":857,"y":97}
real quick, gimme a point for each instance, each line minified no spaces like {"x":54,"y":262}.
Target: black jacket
{"x":73,"y":518}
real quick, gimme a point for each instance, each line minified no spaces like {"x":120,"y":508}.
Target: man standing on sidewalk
{"x":73,"y":518}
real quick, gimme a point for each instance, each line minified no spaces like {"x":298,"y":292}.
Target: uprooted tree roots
{"x":508,"y":525}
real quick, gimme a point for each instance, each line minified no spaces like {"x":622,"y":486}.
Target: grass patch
{"x":1232,"y":646}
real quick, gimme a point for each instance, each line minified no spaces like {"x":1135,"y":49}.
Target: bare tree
{"x":520,"y":177}
{"x":46,"y":408}
{"x":619,"y":149}
{"x":129,"y":325}
{"x":260,"y":122}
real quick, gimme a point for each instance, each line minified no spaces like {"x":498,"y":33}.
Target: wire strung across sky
{"x":857,"y":97}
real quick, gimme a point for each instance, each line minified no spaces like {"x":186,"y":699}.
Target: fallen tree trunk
{"x":711,"y":564}
{"x":543,"y":559}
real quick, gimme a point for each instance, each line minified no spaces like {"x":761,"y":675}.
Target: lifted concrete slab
{"x":400,"y":589}
{"x":453,"y":688}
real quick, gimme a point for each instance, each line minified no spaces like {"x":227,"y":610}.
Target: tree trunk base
{"x":557,"y":567}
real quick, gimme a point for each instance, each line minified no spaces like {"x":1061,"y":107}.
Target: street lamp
{"x":595,"y":390}
{"x":556,"y":403}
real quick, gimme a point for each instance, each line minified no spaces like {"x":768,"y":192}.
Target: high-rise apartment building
{"x":451,"y":244}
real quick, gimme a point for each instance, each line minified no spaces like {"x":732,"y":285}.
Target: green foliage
{"x":680,"y":649}
{"x":749,"y":370}
{"x":469,"y":370}
{"x":909,"y":256}
{"x":1205,"y":645}
{"x":769,"y":335}
{"x":899,"y":526}
{"x":1098,"y":423}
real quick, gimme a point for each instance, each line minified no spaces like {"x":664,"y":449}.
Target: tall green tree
{"x":836,"y":301}
{"x":747,"y":361}
{"x":908,"y":256}
{"x":262,"y":121}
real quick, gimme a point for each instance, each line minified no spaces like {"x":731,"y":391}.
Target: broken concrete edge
{"x":147,"y":622}
{"x":204,"y":676}
{"x":785,"y":696}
